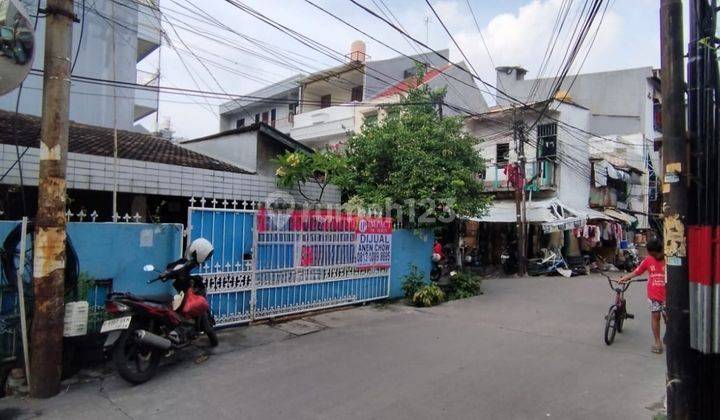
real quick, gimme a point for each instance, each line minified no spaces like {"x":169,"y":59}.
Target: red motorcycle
{"x":147,"y":327}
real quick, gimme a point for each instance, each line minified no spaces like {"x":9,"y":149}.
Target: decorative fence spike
{"x":234,"y":204}
{"x":94,"y":215}
{"x":202,"y":202}
{"x":192,"y":201}
{"x":68,"y":215}
{"x":224,"y":204}
{"x":136,"y":217}
{"x":81,"y":215}
{"x":244,"y":205}
{"x":126,"y":218}
{"x":115,"y":217}
{"x":214,"y":202}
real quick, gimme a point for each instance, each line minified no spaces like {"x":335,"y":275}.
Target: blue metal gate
{"x":273,"y":263}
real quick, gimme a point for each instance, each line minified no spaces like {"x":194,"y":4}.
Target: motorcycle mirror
{"x":149,"y":267}
{"x":17,"y":45}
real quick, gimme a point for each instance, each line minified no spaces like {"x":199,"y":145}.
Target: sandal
{"x":657,"y":349}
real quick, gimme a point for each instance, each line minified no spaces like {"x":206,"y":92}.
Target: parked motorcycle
{"x":147,"y":327}
{"x":631,"y":258}
{"x":509,"y":258}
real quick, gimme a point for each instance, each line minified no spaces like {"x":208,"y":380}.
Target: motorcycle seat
{"x":157,"y":298}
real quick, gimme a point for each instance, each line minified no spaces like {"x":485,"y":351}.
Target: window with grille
{"x":547,"y":140}
{"x":265,"y":117}
{"x":502,"y":154}
{"x":273,"y":117}
{"x":240,"y":123}
{"x":257,"y":118}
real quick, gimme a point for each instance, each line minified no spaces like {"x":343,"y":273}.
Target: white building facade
{"x":320,"y":109}
{"x":116,"y":38}
{"x":623,"y":128}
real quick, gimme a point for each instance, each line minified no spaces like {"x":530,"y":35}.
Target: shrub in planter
{"x":464,"y":285}
{"x":428,"y":295}
{"x":412,"y":282}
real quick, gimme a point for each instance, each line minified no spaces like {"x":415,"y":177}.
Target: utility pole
{"x":519,"y":138}
{"x":681,"y":359}
{"x":49,"y":246}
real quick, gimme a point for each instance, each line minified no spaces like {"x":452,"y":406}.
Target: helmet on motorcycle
{"x":199,"y":250}
{"x":436,"y":257}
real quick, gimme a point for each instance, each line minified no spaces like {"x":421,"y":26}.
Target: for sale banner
{"x":373,"y":239}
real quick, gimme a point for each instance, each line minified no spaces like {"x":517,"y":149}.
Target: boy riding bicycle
{"x":654,"y":264}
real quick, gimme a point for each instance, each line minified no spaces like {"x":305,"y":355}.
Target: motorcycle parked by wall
{"x":509,"y":258}
{"x":147,"y":327}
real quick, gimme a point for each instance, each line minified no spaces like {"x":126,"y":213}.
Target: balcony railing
{"x":328,"y":121}
{"x":539,"y":175}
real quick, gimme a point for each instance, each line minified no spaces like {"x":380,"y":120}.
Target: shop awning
{"x":621,"y":216}
{"x":553,"y":214}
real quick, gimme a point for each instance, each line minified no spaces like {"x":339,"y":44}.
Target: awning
{"x":621,"y":216}
{"x":553,"y":214}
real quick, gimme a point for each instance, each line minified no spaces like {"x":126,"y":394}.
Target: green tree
{"x":415,"y":158}
{"x":299,"y":170}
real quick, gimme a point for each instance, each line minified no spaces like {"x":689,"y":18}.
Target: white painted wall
{"x":236,"y":149}
{"x":89,"y":172}
{"x":573,"y":173}
{"x":91,"y":103}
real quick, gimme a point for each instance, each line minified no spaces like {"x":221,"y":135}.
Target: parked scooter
{"x":439,"y":268}
{"x":149,"y":326}
{"x":509,"y":258}
{"x":631,"y":258}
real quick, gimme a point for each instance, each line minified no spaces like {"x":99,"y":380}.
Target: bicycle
{"x":617,"y":314}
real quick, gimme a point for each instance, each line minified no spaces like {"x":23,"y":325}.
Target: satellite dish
{"x":17,"y":45}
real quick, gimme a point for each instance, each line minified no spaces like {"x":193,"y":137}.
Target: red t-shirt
{"x":656,"y":277}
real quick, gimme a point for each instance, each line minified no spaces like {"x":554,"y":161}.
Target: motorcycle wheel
{"x":206,"y":326}
{"x":435,"y":274}
{"x":135,"y":363}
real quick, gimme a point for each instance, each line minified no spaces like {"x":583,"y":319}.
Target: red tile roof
{"x":98,"y":141}
{"x":410,"y":82}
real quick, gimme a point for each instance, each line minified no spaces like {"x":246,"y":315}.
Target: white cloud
{"x":516,"y":35}
{"x":521,"y":39}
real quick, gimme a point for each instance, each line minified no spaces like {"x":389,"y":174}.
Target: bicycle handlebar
{"x":625,"y":285}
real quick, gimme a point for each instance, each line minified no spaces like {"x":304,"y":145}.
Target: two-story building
{"x":556,"y":175}
{"x":320,"y":109}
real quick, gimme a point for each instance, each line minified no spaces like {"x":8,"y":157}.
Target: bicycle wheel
{"x":611,"y":325}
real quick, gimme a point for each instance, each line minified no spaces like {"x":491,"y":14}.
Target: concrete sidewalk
{"x":528,"y":348}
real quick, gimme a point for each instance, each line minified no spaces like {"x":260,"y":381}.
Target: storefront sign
{"x":373,"y":242}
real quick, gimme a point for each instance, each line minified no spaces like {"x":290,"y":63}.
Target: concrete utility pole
{"x":681,"y":359}
{"x":49,"y":247}
{"x":519,"y":137}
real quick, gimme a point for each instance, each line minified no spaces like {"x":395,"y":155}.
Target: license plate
{"x":116,"y":324}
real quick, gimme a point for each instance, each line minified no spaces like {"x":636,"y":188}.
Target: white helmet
{"x":199,"y":250}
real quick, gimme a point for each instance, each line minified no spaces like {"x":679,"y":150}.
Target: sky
{"x":221,"y":57}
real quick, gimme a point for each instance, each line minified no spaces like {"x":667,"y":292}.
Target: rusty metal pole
{"x":682,"y":361}
{"x":49,"y":245}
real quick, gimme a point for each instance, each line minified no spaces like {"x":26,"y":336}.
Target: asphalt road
{"x":528,"y":348}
